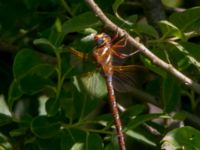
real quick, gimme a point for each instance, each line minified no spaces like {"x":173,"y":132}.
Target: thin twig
{"x":144,"y":50}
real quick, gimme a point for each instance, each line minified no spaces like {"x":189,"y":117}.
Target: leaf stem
{"x":59,"y":74}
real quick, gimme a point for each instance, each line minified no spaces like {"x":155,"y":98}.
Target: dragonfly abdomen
{"x":115,"y":112}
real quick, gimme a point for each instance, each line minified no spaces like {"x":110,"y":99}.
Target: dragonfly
{"x":103,"y":54}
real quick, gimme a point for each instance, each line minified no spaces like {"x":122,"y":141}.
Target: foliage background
{"x":45,"y":102}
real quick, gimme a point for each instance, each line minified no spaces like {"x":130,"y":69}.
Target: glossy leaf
{"x":45,"y":45}
{"x":18,"y":132}
{"x":78,"y":146}
{"x":67,"y":104}
{"x":146,"y":29}
{"x":190,"y":52}
{"x":33,"y":84}
{"x":134,"y":110}
{"x":170,"y":30}
{"x":80,"y":22}
{"x":104,"y":120}
{"x":142,"y":119}
{"x":111,"y":147}
{"x":14,"y":93}
{"x":45,"y":127}
{"x":153,"y":67}
{"x":180,"y":115}
{"x":188,"y":20}
{"x":56,"y":35}
{"x":140,"y":137}
{"x":186,"y":138}
{"x":116,"y":5}
{"x":52,"y":106}
{"x":71,"y":137}
{"x":4,"y":119}
{"x":48,"y":144}
{"x":25,"y":60}
{"x":84,"y":104}
{"x":171,"y":93}
{"x":93,"y":141}
{"x":36,"y":79}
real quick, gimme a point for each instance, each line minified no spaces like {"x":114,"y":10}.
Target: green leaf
{"x":48,"y":144}
{"x":77,"y":139}
{"x":146,"y":29}
{"x":170,"y":30}
{"x":171,"y":93}
{"x":78,"y":146}
{"x":80,"y":22}
{"x":45,"y":127}
{"x":182,"y":115}
{"x":186,"y":138}
{"x":32,"y":84}
{"x":142,"y":119}
{"x":84,"y":104}
{"x":191,"y":51}
{"x":140,"y":137}
{"x":36,"y":79}
{"x":104,"y":119}
{"x":187,"y":21}
{"x":25,"y":121}
{"x":14,"y":93}
{"x":126,"y":24}
{"x":133,"y":110}
{"x":93,"y":141}
{"x":43,"y":70}
{"x":56,"y":35}
{"x":111,"y":146}
{"x":45,"y":45}
{"x":4,"y":119}
{"x":18,"y":132}
{"x":67,"y":100}
{"x":116,"y":5}
{"x":153,"y":67}
{"x":24,"y":61}
{"x":70,"y":137}
{"x":52,"y":106}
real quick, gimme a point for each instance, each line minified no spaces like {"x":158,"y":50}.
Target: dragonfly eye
{"x":100,"y":41}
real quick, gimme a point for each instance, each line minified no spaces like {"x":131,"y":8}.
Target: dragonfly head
{"x":102,"y":39}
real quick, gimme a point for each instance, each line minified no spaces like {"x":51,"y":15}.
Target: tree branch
{"x":145,"y":51}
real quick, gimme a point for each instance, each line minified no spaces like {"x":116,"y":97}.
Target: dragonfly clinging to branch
{"x":103,"y":54}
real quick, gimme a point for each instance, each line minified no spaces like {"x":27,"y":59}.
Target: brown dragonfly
{"x":103,"y":54}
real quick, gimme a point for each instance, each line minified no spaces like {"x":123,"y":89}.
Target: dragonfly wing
{"x":127,"y":78}
{"x":92,"y":83}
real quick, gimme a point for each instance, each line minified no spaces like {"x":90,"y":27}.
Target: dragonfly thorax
{"x":103,"y":53}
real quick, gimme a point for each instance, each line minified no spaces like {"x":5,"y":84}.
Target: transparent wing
{"x":127,"y":78}
{"x":92,"y":83}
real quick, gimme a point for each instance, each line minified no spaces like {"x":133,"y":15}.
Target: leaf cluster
{"x":52,"y":103}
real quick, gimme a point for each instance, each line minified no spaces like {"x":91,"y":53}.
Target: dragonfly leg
{"x":121,"y":43}
{"x":77,"y":53}
{"x":122,"y":55}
